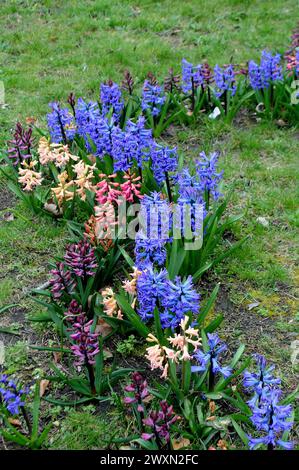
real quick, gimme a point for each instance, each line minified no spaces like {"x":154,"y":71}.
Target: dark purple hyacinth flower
{"x":80,"y":259}
{"x":61,"y":281}
{"x":86,"y":345}
{"x":21,"y":144}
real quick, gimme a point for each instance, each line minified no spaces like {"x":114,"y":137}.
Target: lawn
{"x":51,"y":48}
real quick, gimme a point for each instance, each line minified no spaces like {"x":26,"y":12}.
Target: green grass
{"x":49,"y":48}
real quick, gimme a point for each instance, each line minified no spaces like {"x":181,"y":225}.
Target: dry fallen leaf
{"x":57,"y":357}
{"x":15,"y":422}
{"x":180,"y":443}
{"x":103,"y":328}
{"x":43,"y":387}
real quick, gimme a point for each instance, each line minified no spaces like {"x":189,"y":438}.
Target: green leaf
{"x":68,"y":403}
{"x":127,"y":257}
{"x":131,"y":315}
{"x":7,"y":307}
{"x":240,"y":432}
{"x":208,"y":305}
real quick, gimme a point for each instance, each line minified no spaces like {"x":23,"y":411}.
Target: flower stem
{"x":27,"y":420}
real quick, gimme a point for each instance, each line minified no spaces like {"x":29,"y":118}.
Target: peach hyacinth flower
{"x":29,"y":178}
{"x":57,"y":153}
{"x":158,"y":355}
{"x":129,"y":285}
{"x":62,"y":192}
{"x":83,"y":181}
{"x":110,"y":305}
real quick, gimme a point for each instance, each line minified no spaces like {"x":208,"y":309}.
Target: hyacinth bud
{"x":171,"y":81}
{"x":128,"y":82}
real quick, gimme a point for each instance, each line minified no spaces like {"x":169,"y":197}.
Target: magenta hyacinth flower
{"x":86,"y":345}
{"x":138,"y":390}
{"x":160,"y":422}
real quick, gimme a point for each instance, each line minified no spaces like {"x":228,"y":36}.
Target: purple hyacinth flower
{"x":61,"y":124}
{"x":152,"y":98}
{"x":211,"y":358}
{"x":111,"y":98}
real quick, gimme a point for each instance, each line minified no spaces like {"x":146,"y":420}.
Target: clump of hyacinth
{"x":61,"y":124}
{"x":225,"y":79}
{"x":155,"y":217}
{"x":164,"y":160}
{"x":210,"y":359}
{"x":61,"y":281}
{"x":130,"y":285}
{"x":19,"y":147}
{"x":208,"y":175}
{"x":130,"y":189}
{"x":28,"y":177}
{"x":271,"y":420}
{"x":111,"y":97}
{"x":150,"y":291}
{"x":11,"y":395}
{"x":260,"y":381}
{"x":159,"y":423}
{"x":128,"y":82}
{"x":269,"y":71}
{"x":152,"y":97}
{"x":86,"y":345}
{"x":80,"y":259}
{"x":293,"y":63}
{"x":65,"y":190}
{"x":59,"y":154}
{"x":181,"y":347}
{"x":138,"y":392}
{"x":110,"y":307}
{"x":84,"y":178}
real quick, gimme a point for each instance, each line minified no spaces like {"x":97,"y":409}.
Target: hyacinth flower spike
{"x":138,"y":393}
{"x":260,"y":382}
{"x":210,"y":360}
{"x":13,"y":397}
{"x":272,"y":420}
{"x":160,"y":423}
{"x":85,"y":347}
